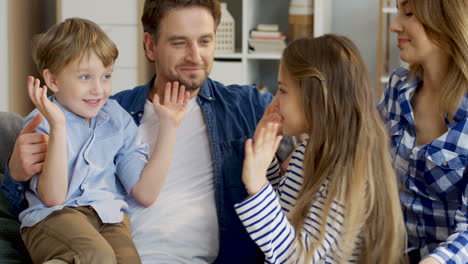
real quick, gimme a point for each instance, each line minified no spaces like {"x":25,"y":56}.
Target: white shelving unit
{"x":243,"y":67}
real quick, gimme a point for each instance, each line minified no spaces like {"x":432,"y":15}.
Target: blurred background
{"x":250,"y":38}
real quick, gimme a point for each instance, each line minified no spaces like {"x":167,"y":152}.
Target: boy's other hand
{"x":173,"y":107}
{"x":29,"y":152}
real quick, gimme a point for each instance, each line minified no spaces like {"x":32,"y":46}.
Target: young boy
{"x":76,"y":205}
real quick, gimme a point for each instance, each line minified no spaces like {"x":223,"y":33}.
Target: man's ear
{"x":150,"y":46}
{"x":50,"y":80}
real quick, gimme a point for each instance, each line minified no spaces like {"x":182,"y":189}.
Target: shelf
{"x":264,"y":56}
{"x":236,"y":55}
{"x":389,"y":10}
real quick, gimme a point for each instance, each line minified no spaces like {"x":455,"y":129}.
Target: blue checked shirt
{"x":433,"y":176}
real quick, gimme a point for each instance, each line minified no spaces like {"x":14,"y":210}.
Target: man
{"x":193,"y":220}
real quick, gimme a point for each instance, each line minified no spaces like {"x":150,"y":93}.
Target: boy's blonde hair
{"x":348,"y":147}
{"x":72,"y":39}
{"x":446,"y":24}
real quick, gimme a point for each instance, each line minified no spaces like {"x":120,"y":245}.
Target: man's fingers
{"x":32,"y":125}
{"x":35,"y":148}
{"x":36,"y":168}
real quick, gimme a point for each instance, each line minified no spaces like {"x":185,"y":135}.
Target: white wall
{"x":359,"y":20}
{"x":3,"y":55}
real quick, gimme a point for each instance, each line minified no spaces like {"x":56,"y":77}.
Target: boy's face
{"x":83,"y":87}
{"x":185,"y":48}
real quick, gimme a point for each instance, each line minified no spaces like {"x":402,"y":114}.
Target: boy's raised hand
{"x":258,"y":156}
{"x":49,"y":110}
{"x":174,"y":104}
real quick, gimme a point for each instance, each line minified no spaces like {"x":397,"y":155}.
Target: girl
{"x":425,"y":109}
{"x":338,"y":200}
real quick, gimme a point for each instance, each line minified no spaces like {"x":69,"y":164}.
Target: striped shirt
{"x":264,"y":217}
{"x":433,"y":176}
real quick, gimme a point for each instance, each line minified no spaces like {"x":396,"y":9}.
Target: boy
{"x":92,"y":142}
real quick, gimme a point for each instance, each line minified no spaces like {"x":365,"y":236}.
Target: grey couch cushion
{"x":10,"y":126}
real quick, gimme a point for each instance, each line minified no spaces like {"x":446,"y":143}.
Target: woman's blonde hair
{"x":446,"y":24}
{"x":72,"y":39}
{"x":348,"y":146}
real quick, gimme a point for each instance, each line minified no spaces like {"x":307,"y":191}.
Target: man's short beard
{"x":192,"y":86}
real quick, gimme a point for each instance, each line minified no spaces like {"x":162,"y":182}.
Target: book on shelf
{"x":282,"y":37}
{"x":267,"y":27}
{"x":267,"y":45}
{"x":256,"y":33}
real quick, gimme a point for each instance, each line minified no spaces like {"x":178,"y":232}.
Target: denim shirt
{"x":232,"y":113}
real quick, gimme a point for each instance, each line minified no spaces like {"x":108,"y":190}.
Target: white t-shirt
{"x":182,"y":225}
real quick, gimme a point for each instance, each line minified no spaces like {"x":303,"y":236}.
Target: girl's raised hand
{"x":174,"y":105}
{"x":258,"y":156}
{"x":49,"y":110}
{"x":271,"y":115}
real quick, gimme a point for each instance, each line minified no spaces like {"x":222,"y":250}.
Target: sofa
{"x":12,"y":249}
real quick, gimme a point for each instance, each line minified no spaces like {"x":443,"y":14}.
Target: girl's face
{"x":413,"y":42}
{"x":290,"y":104}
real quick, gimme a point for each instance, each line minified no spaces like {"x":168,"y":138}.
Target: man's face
{"x":185,"y":48}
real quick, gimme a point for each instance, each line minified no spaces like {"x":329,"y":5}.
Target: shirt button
{"x":132,"y":112}
{"x":20,"y":188}
{"x":140,"y":114}
{"x":210,"y":98}
{"x":444,"y":163}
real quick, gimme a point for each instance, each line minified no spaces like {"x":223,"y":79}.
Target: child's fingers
{"x":181,"y":95}
{"x":260,"y":139}
{"x":30,"y":84}
{"x":175,"y":92}
{"x":277,"y":142}
{"x":167,"y":93}
{"x":248,"y":148}
{"x":44,"y":99}
{"x":186,"y":98}
{"x":156,"y":100}
{"x":37,"y":94}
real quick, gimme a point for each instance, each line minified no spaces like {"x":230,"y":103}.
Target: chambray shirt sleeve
{"x":455,"y":249}
{"x":132,"y":156}
{"x":14,"y":191}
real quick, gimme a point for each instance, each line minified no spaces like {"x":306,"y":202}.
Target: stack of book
{"x":267,"y":38}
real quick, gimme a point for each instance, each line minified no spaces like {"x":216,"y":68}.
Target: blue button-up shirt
{"x":434,"y":176}
{"x":105,"y":160}
{"x":231,"y":113}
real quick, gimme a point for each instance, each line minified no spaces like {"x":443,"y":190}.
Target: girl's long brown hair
{"x":348,"y":145}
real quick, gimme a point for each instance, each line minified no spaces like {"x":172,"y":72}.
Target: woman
{"x":425,"y":109}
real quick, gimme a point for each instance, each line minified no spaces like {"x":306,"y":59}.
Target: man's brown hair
{"x":72,"y":39}
{"x":155,"y":10}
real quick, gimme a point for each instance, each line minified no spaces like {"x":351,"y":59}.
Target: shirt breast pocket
{"x":444,"y":171}
{"x":233,"y":156}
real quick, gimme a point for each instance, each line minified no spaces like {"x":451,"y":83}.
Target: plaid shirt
{"x":433,"y":176}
